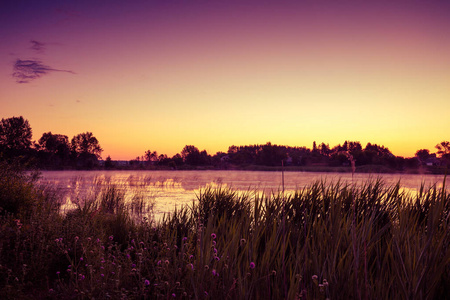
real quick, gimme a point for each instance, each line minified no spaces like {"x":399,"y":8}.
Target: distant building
{"x":432,"y":161}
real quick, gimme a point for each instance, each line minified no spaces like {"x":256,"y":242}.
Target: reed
{"x":330,"y":240}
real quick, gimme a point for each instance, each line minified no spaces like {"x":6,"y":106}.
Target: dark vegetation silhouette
{"x":83,"y":151}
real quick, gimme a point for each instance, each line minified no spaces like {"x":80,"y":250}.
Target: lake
{"x":170,"y":189}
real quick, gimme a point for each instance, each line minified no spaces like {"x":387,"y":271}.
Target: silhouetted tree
{"x":192,"y":156}
{"x":86,"y":143}
{"x":422,"y":155}
{"x":54,"y":149}
{"x":324,"y":149}
{"x":109,"y":163}
{"x":54,"y":143}
{"x":443,"y":149}
{"x":86,"y":149}
{"x":151,"y":156}
{"x":15,"y":134}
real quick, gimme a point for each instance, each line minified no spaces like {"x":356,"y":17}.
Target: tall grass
{"x":328,"y":240}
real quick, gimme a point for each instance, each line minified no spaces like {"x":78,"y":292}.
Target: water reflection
{"x":170,"y":189}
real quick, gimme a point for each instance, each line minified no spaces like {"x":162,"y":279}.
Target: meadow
{"x":329,"y":240}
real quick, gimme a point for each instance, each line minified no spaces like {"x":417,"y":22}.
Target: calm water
{"x":170,"y":189}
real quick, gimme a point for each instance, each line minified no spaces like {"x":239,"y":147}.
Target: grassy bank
{"x":328,"y":240}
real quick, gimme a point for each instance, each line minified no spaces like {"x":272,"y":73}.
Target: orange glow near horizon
{"x":161,"y":76}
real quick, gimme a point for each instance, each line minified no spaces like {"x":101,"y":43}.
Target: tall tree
{"x":422,"y":155}
{"x":151,"y":156}
{"x":86,"y":143}
{"x":15,"y":134}
{"x":443,"y":149}
{"x":54,"y":143}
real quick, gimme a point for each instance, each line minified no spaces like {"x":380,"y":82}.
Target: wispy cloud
{"x":28,"y":70}
{"x":39,"y":47}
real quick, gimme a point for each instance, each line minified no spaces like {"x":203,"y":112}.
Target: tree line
{"x":52,"y":151}
{"x":83,"y":151}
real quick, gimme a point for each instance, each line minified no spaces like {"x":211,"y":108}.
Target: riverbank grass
{"x":326,"y":241}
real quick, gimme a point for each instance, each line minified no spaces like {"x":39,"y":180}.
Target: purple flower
{"x":103,"y":275}
{"x":111,"y":237}
{"x":252,"y":265}
{"x":81,"y":258}
{"x":57,"y":273}
{"x":174,"y":295}
{"x":147,"y":282}
{"x":213,"y":236}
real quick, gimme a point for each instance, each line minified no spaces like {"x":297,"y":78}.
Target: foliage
{"x":86,"y":144}
{"x":15,"y":134}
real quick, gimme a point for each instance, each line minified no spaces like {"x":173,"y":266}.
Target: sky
{"x":159,"y":75}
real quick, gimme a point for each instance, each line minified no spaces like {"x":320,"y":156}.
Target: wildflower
{"x":111,"y":237}
{"x":185,"y":239}
{"x":206,"y":293}
{"x":103,"y":275}
{"x":242,"y":242}
{"x":214,"y":272}
{"x":81,"y":258}
{"x":159,"y":262}
{"x":76,"y":238}
{"x":217,"y":258}
{"x":213,"y":243}
{"x":174,"y":295}
{"x":206,"y":267}
{"x":192,"y":266}
{"x":57,"y":273}
{"x":147,"y":282}
{"x":166,"y":262}
{"x":133,"y":265}
{"x":252,"y":265}
{"x":213,"y":236}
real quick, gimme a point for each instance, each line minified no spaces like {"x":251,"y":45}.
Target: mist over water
{"x":170,"y":189}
